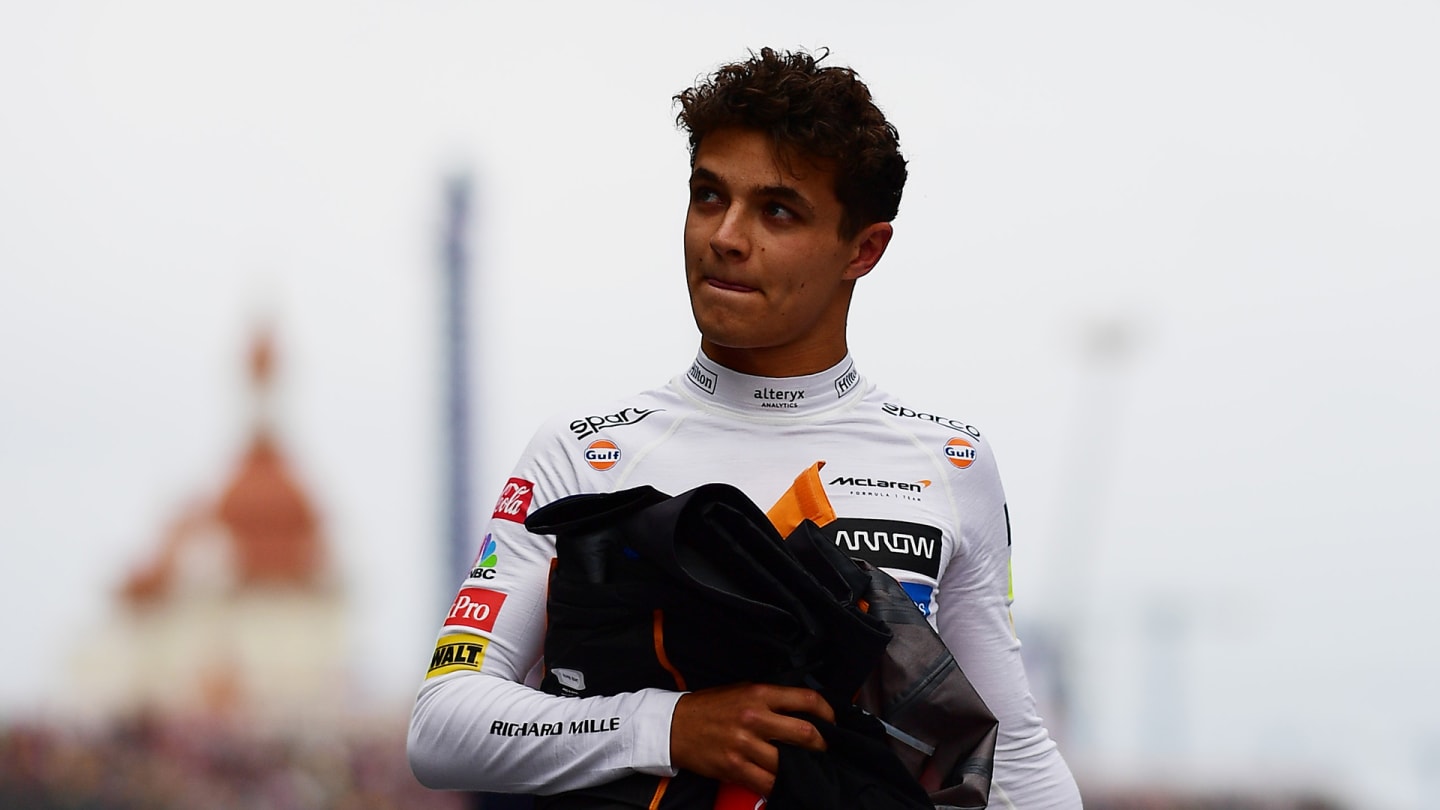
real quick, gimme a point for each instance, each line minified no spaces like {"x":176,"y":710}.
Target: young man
{"x":796,"y":176}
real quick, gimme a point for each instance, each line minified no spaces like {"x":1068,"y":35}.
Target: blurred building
{"x":237,"y":612}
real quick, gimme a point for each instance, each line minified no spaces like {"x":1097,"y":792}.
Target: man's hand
{"x":729,"y":732}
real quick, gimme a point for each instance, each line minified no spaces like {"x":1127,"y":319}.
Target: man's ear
{"x":870,"y":245}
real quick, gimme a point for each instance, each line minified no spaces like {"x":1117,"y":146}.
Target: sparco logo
{"x":876,"y":483}
{"x":778,"y":397}
{"x":591,"y":425}
{"x":702,"y":377}
{"x":846,"y":381}
{"x":514,"y":501}
{"x":943,"y":421}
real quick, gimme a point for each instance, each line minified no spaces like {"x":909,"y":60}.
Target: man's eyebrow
{"x":783,"y":193}
{"x":704,"y":175}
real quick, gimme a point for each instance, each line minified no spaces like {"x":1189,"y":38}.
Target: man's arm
{"x":478,"y":726}
{"x":482,"y":732}
{"x":973,"y":618}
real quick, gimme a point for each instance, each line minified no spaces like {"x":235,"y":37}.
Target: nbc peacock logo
{"x":485,"y":560}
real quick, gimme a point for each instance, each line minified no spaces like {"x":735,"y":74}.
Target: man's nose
{"x":730,"y":238}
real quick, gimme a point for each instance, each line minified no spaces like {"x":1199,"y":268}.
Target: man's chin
{"x":724,"y":326}
{"x":730,"y":340}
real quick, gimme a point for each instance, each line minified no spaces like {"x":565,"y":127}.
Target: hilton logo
{"x":703,"y":377}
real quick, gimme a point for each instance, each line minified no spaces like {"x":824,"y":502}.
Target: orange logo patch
{"x":960,"y":452}
{"x":602,"y":454}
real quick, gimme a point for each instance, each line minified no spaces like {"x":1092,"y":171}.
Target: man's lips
{"x":728,"y":285}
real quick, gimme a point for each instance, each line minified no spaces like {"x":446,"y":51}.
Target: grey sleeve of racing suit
{"x":476,"y":725}
{"x":973,"y":617}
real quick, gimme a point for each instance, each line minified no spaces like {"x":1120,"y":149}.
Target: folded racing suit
{"x":699,"y":590}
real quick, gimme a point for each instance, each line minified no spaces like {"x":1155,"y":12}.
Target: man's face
{"x":769,"y":273}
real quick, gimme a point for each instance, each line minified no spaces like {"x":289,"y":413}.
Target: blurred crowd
{"x":160,"y":765}
{"x":151,"y":764}
{"x":1220,"y":799}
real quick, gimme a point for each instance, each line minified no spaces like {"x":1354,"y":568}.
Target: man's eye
{"x":778,"y":211}
{"x":705,"y":195}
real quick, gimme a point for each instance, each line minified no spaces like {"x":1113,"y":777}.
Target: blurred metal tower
{"x":1107,"y":344}
{"x":456,"y":433}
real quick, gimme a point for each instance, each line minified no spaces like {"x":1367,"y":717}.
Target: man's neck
{"x":711,"y":381}
{"x":780,"y":361}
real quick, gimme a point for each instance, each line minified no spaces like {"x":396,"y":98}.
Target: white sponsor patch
{"x":571,"y":678}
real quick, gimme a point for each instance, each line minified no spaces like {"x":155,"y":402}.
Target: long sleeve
{"x":973,"y":618}
{"x":476,"y":725}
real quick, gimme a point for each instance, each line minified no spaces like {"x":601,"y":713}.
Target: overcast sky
{"x":1230,"y":512}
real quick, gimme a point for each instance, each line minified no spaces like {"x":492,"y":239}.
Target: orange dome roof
{"x":270,"y":520}
{"x":270,"y":526}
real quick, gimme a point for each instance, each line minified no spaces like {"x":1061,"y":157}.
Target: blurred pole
{"x":1106,"y":345}
{"x":460,"y":546}
{"x":1164,"y":720}
{"x":456,"y":452}
{"x":1428,"y":763}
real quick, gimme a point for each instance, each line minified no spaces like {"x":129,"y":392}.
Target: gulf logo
{"x":960,"y":452}
{"x":602,"y":454}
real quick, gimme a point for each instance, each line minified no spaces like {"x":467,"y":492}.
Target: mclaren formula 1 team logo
{"x":880,"y":487}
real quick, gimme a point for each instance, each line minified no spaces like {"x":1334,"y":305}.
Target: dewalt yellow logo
{"x":455,"y":652}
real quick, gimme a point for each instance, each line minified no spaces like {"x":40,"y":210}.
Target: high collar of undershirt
{"x":712,"y":382}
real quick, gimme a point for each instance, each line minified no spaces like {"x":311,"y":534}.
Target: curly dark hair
{"x":809,"y":111}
